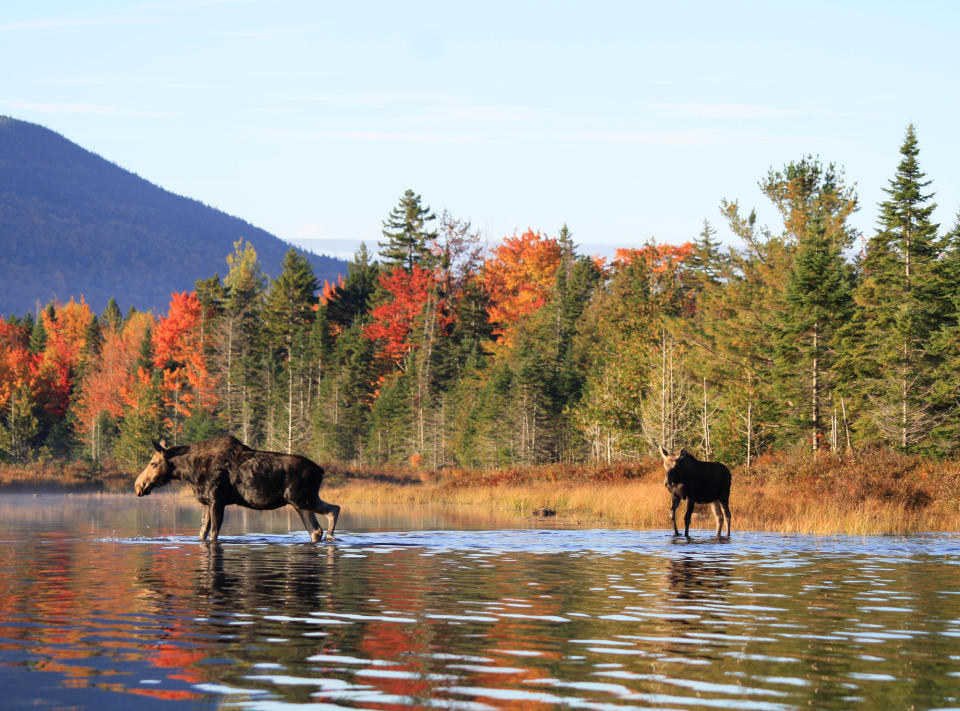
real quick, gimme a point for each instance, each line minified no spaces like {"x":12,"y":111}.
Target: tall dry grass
{"x":876,"y":492}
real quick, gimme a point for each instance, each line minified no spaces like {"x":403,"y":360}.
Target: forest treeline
{"x":443,"y":353}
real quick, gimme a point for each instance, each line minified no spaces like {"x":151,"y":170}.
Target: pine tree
{"x":818,"y":294}
{"x":407,"y":234}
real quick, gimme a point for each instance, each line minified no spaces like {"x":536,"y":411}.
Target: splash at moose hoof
{"x":222,"y":471}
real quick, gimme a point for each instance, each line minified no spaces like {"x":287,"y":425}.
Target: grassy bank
{"x":873,"y":493}
{"x":53,"y":475}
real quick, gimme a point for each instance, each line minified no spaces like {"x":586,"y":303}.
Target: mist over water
{"x":109,"y":602}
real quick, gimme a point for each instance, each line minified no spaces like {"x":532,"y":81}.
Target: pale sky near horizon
{"x":625,"y":120}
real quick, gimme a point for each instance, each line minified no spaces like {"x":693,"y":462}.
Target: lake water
{"x":110,"y":602}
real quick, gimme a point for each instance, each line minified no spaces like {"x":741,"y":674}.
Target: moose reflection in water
{"x":222,"y":470}
{"x":699,"y":483}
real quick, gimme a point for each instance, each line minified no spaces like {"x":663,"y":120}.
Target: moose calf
{"x":699,"y":483}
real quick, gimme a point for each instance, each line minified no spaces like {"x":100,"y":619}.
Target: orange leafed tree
{"x":15,"y":361}
{"x":57,"y":365}
{"x":519,"y":275}
{"x":178,"y":350}
{"x":109,"y":385}
{"x":659,"y":257}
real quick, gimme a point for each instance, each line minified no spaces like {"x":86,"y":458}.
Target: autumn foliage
{"x":393,"y":320}
{"x":178,"y":349}
{"x":519,"y":275}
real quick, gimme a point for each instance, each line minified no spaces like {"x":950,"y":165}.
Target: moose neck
{"x":182,"y":467}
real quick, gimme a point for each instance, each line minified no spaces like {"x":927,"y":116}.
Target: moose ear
{"x":683,"y":452}
{"x":160,"y":446}
{"x":663,"y":452}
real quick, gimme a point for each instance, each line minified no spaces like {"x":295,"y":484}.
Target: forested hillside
{"x":444,"y":354}
{"x":73,"y":224}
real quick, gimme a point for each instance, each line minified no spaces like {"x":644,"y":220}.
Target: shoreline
{"x":875,"y":493}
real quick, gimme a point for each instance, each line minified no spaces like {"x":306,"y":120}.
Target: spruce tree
{"x":890,"y":353}
{"x":407,"y":234}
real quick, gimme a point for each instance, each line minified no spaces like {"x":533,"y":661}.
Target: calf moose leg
{"x":717,"y":517}
{"x":687,"y":515}
{"x":673,"y":514}
{"x":726,"y":515}
{"x":216,"y":519}
{"x":204,"y":522}
{"x":312,"y":525}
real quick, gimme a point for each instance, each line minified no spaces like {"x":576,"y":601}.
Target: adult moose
{"x":222,"y":470}
{"x":699,"y":483}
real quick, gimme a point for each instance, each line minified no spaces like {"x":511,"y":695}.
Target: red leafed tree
{"x":519,"y":275}
{"x":178,"y":350}
{"x":393,"y":320}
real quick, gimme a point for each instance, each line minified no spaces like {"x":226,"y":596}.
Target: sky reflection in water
{"x":110,"y":601}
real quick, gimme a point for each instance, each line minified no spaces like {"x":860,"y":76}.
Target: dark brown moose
{"x":699,"y":483}
{"x":222,"y":470}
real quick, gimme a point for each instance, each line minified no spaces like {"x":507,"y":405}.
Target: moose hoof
{"x":316,"y":536}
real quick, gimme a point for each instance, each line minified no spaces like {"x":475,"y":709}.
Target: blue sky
{"x":625,"y":120}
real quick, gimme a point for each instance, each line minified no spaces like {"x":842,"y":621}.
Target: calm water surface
{"x":110,"y":602}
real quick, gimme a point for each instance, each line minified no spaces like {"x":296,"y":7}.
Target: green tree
{"x":407,"y":234}
{"x":235,"y":344}
{"x":890,"y":354}
{"x":818,"y":296}
{"x":111,"y":317}
{"x":288,"y":315}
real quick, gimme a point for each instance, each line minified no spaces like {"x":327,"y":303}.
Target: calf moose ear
{"x":683,"y":452}
{"x":663,"y":452}
{"x":160,"y":446}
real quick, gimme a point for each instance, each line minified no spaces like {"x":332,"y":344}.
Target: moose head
{"x":158,"y":471}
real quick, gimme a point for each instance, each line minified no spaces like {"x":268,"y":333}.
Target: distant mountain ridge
{"x":72,"y":224}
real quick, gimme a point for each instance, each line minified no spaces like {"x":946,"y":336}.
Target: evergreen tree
{"x":407,"y":234}
{"x":235,"y":344}
{"x":353,"y":298}
{"x":890,"y":354}
{"x":111,"y":317}
{"x":288,"y":316}
{"x":38,"y":337}
{"x":818,"y":296}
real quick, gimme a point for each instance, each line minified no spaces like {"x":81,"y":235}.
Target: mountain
{"x":72,"y":224}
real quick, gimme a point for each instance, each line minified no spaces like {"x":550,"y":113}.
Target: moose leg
{"x":216,"y":520}
{"x":204,"y":522}
{"x":687,"y":515}
{"x":331,"y":511}
{"x":673,"y":514}
{"x":312,"y":525}
{"x":717,"y":517}
{"x":726,"y":515}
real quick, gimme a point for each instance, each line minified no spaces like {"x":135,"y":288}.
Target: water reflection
{"x":107,"y":598}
